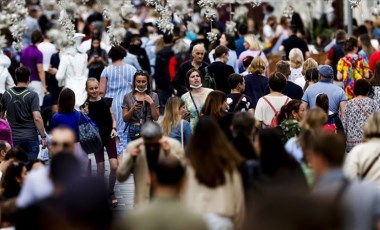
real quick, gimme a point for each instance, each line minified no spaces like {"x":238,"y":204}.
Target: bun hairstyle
{"x":287,"y":110}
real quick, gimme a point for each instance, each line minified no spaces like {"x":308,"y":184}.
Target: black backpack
{"x":209,"y":80}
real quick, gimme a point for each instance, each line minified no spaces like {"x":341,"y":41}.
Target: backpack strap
{"x":270,"y":104}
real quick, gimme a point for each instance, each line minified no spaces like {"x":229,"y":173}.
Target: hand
{"x":137,"y":106}
{"x":148,"y":99}
{"x":43,"y":143}
{"x":165,"y":146}
{"x":52,"y":71}
{"x":45,"y":90}
{"x":135,"y":151}
{"x":113,"y":133}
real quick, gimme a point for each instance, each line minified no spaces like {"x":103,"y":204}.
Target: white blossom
{"x":212,"y":37}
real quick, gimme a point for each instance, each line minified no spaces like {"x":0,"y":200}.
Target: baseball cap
{"x":247,"y":61}
{"x":325,"y":70}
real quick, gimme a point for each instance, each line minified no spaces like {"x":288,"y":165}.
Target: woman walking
{"x":172,"y":123}
{"x":100,"y":111}
{"x":115,"y":82}
{"x":140,"y":105}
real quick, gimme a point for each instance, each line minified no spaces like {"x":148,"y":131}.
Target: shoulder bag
{"x":364,"y":174}
{"x":237,"y":104}
{"x":88,"y":133}
{"x":195,"y":105}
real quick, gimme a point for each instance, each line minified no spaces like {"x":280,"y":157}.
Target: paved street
{"x":123,"y":191}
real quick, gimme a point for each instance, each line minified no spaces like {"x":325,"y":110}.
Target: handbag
{"x":88,"y":133}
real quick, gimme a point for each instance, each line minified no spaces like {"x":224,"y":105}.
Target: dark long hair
{"x":10,"y":184}
{"x":322,"y":102}
{"x":187,"y":84}
{"x":145,"y":74}
{"x":99,"y":49}
{"x":211,"y":160}
{"x":273,"y":155}
{"x":213,"y":103}
{"x":66,"y":101}
{"x":286,"y":110}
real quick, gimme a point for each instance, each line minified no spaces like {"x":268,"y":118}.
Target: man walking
{"x":23,"y":113}
{"x":197,"y":62}
{"x":220,"y":70}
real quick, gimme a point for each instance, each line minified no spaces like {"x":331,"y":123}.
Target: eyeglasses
{"x":199,"y":53}
{"x":64,"y":145}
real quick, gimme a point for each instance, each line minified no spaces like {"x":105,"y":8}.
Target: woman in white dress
{"x":72,"y":73}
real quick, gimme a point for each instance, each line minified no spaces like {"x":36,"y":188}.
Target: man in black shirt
{"x":238,"y":102}
{"x":220,"y":69}
{"x":294,"y":42}
{"x":197,"y":62}
{"x":291,"y":89}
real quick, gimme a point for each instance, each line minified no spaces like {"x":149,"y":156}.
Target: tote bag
{"x":89,"y":136}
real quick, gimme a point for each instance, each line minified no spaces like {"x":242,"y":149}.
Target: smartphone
{"x":139,"y":102}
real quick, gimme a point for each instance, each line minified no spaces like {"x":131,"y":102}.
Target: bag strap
{"x":182,"y":143}
{"x":369,"y":167}
{"x":237,"y":104}
{"x":195,"y":105}
{"x":360,"y":107}
{"x":270,"y":104}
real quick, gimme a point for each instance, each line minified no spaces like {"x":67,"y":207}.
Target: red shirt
{"x":375,"y":57}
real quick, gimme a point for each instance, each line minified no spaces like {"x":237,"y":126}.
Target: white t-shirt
{"x":47,"y":49}
{"x":295,"y":73}
{"x":300,"y":81}
{"x":264,"y":112}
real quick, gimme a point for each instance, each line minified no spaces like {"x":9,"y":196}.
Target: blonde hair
{"x":371,"y":128}
{"x":171,"y":114}
{"x":296,"y":57}
{"x":257,"y":66}
{"x":252,"y":41}
{"x":310,"y":63}
{"x":314,"y":119}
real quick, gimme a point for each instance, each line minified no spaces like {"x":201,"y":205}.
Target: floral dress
{"x":352,"y":69}
{"x":194,"y":116}
{"x":289,"y":128}
{"x":355,"y":116}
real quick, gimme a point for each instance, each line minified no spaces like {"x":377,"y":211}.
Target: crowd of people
{"x":213,"y":138}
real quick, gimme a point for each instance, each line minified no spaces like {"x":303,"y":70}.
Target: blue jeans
{"x":133,"y":130}
{"x":30,"y":147}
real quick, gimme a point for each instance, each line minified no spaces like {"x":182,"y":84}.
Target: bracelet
{"x":114,"y":128}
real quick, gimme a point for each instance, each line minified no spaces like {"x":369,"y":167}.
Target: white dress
{"x":72,"y":73}
{"x":6,"y":80}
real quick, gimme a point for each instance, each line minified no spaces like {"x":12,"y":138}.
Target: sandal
{"x":114,"y":201}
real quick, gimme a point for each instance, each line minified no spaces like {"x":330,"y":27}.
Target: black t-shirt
{"x":294,"y":42}
{"x":221,"y":72}
{"x":100,"y":114}
{"x":244,"y":105}
{"x":291,"y":90}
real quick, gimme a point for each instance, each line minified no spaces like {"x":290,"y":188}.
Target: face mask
{"x":141,"y":91}
{"x":196,"y":86}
